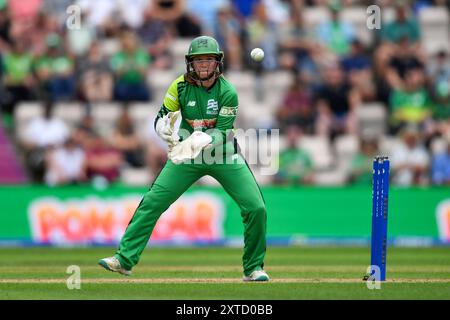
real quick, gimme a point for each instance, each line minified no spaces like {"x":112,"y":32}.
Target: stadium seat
{"x":372,"y":119}
{"x":387,"y":15}
{"x":23,"y":113}
{"x":346,"y":145}
{"x":70,"y":112}
{"x":319,"y":150}
{"x":159,"y":81}
{"x":109,"y":47}
{"x":278,"y":79}
{"x":357,"y":16}
{"x":435,"y":26}
{"x":438,"y":145}
{"x":388,"y":144}
{"x":143,"y":115}
{"x":314,"y":16}
{"x":179,"y":48}
{"x":105,"y":116}
{"x":278,"y":82}
{"x":254,"y":114}
{"x":135,"y":176}
{"x":161,"y":78}
{"x":330,"y":178}
{"x":241,"y":79}
{"x":158,"y":95}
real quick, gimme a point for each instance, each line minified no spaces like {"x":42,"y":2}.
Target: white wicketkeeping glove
{"x":189,"y":148}
{"x":165,"y":128}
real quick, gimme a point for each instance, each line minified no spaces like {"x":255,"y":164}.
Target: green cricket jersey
{"x":204,"y":109}
{"x":17,"y":67}
{"x":412,"y":107}
{"x":201,"y":109}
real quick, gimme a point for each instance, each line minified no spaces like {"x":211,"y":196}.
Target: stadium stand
{"x":261,"y":91}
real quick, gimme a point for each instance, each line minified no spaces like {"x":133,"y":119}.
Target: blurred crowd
{"x":45,"y":56}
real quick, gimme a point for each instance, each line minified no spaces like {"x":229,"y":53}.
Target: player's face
{"x":204,"y":65}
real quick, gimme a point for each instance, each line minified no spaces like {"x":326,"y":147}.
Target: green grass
{"x":167,"y":273}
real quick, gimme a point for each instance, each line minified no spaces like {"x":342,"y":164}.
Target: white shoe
{"x":112,"y":264}
{"x":257,"y":275}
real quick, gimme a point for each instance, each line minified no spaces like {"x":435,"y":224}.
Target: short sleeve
{"x":171,"y":99}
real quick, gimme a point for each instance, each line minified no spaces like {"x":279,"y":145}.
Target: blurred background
{"x":80,"y":89}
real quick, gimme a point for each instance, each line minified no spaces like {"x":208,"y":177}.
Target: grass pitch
{"x":216,"y":273}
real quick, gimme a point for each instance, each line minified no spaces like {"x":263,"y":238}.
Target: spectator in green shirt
{"x":55,"y":71}
{"x":410,"y":105}
{"x":130,"y":66}
{"x":295,"y":164}
{"x":18,"y":76}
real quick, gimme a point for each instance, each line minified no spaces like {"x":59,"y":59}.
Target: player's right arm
{"x":171,"y":101}
{"x":163,"y":125}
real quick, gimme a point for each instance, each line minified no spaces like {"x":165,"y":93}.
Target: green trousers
{"x":237,"y":180}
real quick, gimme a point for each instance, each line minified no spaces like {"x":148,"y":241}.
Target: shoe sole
{"x":259,"y":279}
{"x":105,"y":265}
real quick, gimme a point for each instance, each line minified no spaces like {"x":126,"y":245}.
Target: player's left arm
{"x":226,"y":118}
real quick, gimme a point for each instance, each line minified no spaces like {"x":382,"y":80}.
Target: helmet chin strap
{"x":193,"y":74}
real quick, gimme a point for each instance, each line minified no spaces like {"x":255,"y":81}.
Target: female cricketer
{"x":208,"y":105}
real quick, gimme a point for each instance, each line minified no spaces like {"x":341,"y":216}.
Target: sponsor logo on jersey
{"x":191,"y":104}
{"x":228,"y":111}
{"x":212,"y":107}
{"x":171,"y":97}
{"x":202,"y":123}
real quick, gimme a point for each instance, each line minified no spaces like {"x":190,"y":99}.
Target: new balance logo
{"x":191,"y":104}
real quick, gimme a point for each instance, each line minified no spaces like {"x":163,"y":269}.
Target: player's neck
{"x":206,"y":84}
